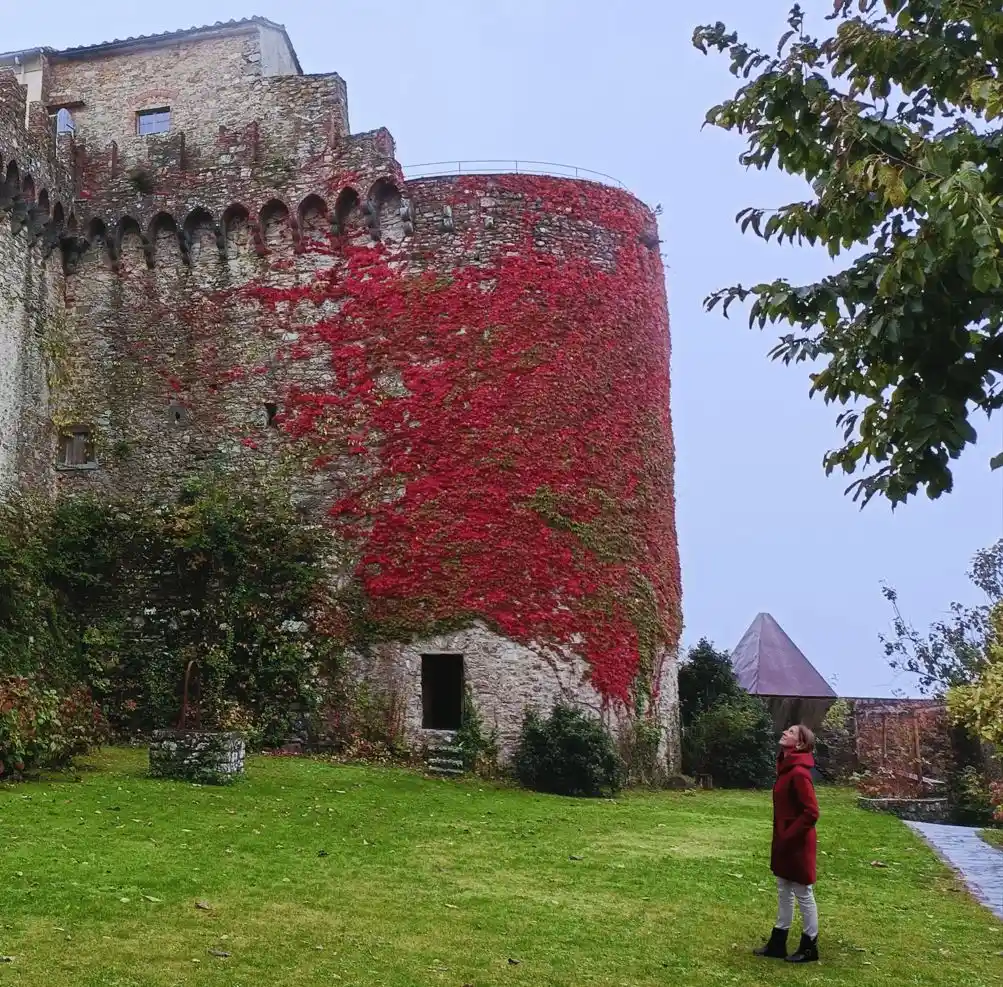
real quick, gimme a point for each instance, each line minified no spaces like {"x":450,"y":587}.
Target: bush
{"x":967,"y":781}
{"x":121,"y":595}
{"x":569,"y":753}
{"x":39,"y":728}
{"x":835,"y":753}
{"x":478,"y":748}
{"x":996,"y":801}
{"x":733,"y":742}
{"x":971,"y":798}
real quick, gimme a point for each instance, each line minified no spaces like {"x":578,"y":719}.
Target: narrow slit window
{"x":154,"y":121}
{"x":271,"y":414}
{"x":77,"y":447}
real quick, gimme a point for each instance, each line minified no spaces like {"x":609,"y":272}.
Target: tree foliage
{"x":733,"y":742}
{"x":896,"y":122}
{"x":727,"y":733}
{"x":979,"y":705}
{"x":705,"y":677}
{"x":953,"y":651}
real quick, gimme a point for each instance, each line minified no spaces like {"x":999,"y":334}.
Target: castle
{"x":465,"y":377}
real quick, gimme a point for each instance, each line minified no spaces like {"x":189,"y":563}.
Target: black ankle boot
{"x":807,"y":951}
{"x":776,"y":948}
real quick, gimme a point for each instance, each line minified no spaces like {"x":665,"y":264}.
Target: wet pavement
{"x":980,"y":865}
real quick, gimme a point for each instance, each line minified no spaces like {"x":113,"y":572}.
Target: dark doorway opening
{"x":442,"y":692}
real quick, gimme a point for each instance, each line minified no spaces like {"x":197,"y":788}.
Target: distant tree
{"x":895,"y":123}
{"x":705,"y":677}
{"x":953,"y":651}
{"x":978,"y":706}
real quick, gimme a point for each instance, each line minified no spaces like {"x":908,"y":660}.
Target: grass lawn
{"x":328,"y":875}
{"x":993,"y":836}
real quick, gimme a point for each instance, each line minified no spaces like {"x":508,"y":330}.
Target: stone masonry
{"x":158,"y":181}
{"x":197,"y":756}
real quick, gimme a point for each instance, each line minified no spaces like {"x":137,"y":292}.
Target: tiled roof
{"x":84,"y":50}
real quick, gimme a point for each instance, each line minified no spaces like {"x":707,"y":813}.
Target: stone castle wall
{"x":465,"y":379}
{"x":33,"y":191}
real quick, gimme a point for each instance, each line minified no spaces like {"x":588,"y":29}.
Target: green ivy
{"x":122,"y":596}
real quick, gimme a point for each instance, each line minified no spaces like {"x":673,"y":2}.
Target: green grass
{"x":436,"y":883}
{"x":994,"y":837}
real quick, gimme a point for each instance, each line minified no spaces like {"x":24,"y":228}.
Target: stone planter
{"x":915,"y":810}
{"x":197,"y":755}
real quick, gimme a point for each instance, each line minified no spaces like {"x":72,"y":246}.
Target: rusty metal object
{"x":185,"y":711}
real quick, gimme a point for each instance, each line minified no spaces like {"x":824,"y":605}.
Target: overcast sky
{"x":617,"y":87}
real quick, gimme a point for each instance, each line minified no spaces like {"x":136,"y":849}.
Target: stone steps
{"x":444,"y":759}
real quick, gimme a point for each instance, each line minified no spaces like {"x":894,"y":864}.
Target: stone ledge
{"x":914,"y":810}
{"x":200,"y":756}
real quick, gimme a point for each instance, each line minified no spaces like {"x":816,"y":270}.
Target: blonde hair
{"x":806,"y":739}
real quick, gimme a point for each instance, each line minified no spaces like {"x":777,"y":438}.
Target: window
{"x":76,"y":447}
{"x":154,"y":121}
{"x":442,"y":692}
{"x":271,"y":413}
{"x":64,"y":122}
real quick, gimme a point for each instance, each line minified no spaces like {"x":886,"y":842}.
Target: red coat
{"x":795,"y":812}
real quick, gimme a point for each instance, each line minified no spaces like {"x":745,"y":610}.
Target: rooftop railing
{"x":436,"y":169}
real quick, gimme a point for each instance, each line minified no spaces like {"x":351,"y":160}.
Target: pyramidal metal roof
{"x":768,"y":663}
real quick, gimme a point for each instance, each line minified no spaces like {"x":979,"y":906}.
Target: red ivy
{"x":508,"y":422}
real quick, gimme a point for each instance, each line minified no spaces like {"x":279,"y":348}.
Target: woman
{"x":795,"y":812}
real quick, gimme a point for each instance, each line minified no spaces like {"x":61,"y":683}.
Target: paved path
{"x":979,"y":864}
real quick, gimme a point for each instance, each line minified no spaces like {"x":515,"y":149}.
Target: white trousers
{"x":787,"y":892}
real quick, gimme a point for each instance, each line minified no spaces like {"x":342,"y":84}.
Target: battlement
{"x":37,"y":190}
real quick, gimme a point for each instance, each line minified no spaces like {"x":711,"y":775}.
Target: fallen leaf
{"x":573,"y":857}
{"x":125,"y":901}
{"x":149,"y":897}
{"x":512,"y":962}
{"x":878,"y":863}
{"x":204,"y":906}
{"x":221,"y":953}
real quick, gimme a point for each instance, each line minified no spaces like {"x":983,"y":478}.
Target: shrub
{"x":568,"y":753}
{"x":971,"y":798}
{"x":39,"y":728}
{"x":733,"y":742}
{"x":121,"y":595}
{"x":996,"y":801}
{"x":835,"y":754}
{"x":478,"y":748}
{"x":967,"y":783}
